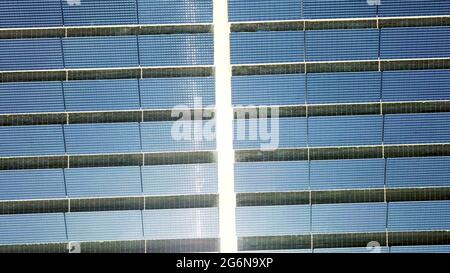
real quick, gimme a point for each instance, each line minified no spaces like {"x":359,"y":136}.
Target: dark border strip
{"x":256,"y":243}
{"x":345,"y":66}
{"x":129,"y":30}
{"x":343,"y":240}
{"x":136,"y":159}
{"x":268,"y":26}
{"x":313,"y":110}
{"x":109,"y":204}
{"x":107,"y":160}
{"x":414,"y":22}
{"x":139,"y":246}
{"x":387,"y":108}
{"x":239,"y":113}
{"x":342,"y":196}
{"x":340,"y":24}
{"x":238,"y":70}
{"x":103,"y":117}
{"x":104,"y":31}
{"x":423,"y":150}
{"x":106,"y":74}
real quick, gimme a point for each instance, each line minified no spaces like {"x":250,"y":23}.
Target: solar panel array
{"x":87,"y":153}
{"x":88,"y":157}
{"x":362,"y":92}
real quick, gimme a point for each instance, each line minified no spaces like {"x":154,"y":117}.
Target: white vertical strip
{"x":224,"y":128}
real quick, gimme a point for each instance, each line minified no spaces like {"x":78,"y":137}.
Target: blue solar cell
{"x":31,"y":54}
{"x":273,"y":220}
{"x":345,"y":130}
{"x":32,"y":228}
{"x":341,"y":218}
{"x":31,"y":184}
{"x":177,"y":136}
{"x":270,"y":133}
{"x":108,"y":225}
{"x":264,"y":10}
{"x":31,"y":97}
{"x":418,"y":172}
{"x":175,"y":11}
{"x":179,"y":179}
{"x":419,"y":216}
{"x":102,"y":138}
{"x":181,"y":223}
{"x":161,"y":93}
{"x":100,"y":52}
{"x":176,"y":50}
{"x":344,"y":87}
{"x":413,"y":7}
{"x":347,"y":174}
{"x":271,"y":176}
{"x":424,"y":42}
{"x":269,"y":90}
{"x":267,"y":47}
{"x":416,"y":85}
{"x":345,"y":44}
{"x":100,"y":12}
{"x":417,"y":128}
{"x":101,"y":95}
{"x":313,"y":9}
{"x":31,"y":140}
{"x":30,"y":13}
{"x":98,"y":182}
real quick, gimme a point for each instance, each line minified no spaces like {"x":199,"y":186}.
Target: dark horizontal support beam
{"x":418,"y":194}
{"x":107,"y":160}
{"x":414,"y":22}
{"x":415,"y":107}
{"x":138,"y":246}
{"x":342,"y":196}
{"x":325,"y":153}
{"x":181,"y":202}
{"x":344,"y":66}
{"x":239,"y":113}
{"x":272,"y":199}
{"x":342,"y":24}
{"x":257,"y":243}
{"x":301,"y":25}
{"x":274,"y":242}
{"x":23,"y":163}
{"x":109,"y":204}
{"x":309,"y":110}
{"x":417,"y":150}
{"x":268,"y":69}
{"x":184,"y":246}
{"x":268,"y":26}
{"x":387,"y":65}
{"x":38,"y":206}
{"x":387,"y":108}
{"x":238,"y":70}
{"x":104,"y":31}
{"x":343,"y":240}
{"x":105,"y":74}
{"x":103,"y":117}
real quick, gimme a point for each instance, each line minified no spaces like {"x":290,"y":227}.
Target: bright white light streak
{"x":224,"y":128}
